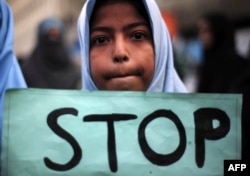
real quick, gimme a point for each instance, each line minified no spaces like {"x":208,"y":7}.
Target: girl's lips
{"x":114,"y":74}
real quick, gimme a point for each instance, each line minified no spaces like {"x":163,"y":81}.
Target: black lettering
{"x":204,"y":130}
{"x":52,"y":123}
{"x":110,"y":118}
{"x":152,"y":156}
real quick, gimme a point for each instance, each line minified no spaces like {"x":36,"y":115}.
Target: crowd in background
{"x":209,"y":53}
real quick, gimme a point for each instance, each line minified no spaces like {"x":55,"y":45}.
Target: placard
{"x":75,"y":133}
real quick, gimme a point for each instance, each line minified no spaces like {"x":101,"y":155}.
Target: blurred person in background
{"x":223,"y":70}
{"x":221,"y":63}
{"x":50,"y":64}
{"x":10,"y":73}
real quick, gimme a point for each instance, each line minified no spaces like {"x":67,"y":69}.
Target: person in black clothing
{"x":50,"y":65}
{"x":223,"y":70}
{"x":221,"y":63}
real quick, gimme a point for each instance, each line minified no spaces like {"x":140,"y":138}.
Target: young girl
{"x":125,"y":46}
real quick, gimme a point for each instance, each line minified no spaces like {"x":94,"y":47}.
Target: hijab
{"x":10,"y":73}
{"x":165,"y":78}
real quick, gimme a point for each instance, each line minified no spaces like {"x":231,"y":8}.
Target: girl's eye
{"x":138,"y":36}
{"x":99,"y":40}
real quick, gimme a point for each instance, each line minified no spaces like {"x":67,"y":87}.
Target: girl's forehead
{"x":112,"y":12}
{"x":117,"y":6}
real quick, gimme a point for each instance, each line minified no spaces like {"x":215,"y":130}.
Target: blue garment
{"x":165,"y":77}
{"x":10,"y":73}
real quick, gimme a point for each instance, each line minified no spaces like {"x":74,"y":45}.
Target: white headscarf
{"x":10,"y":72}
{"x":165,"y":77}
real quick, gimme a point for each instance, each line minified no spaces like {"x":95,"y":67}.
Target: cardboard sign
{"x":66,"y":133}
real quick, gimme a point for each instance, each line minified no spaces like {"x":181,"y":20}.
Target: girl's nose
{"x":120,"y":54}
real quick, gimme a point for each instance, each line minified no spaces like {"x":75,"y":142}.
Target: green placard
{"x":78,"y":133}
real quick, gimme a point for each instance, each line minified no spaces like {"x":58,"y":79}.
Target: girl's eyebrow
{"x":134,"y":25}
{"x":101,"y":29}
{"x":110,"y":29}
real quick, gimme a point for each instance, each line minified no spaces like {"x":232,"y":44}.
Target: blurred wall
{"x":187,"y":11}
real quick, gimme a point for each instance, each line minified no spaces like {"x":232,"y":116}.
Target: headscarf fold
{"x":165,"y":77}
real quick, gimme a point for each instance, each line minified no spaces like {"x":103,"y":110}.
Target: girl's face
{"x":121,"y":48}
